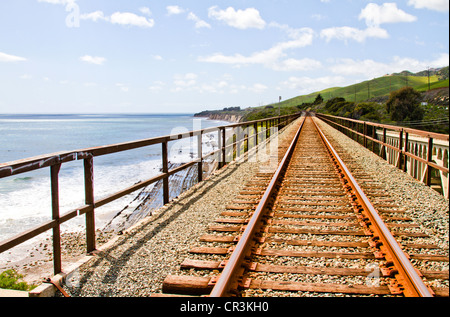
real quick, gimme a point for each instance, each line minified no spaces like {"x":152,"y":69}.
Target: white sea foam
{"x":30,"y":205}
{"x":26,"y":198}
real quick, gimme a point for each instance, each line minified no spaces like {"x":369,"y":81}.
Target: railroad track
{"x":308,"y":229}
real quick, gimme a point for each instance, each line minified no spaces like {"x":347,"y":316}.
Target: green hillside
{"x":435,"y":85}
{"x":377,"y":87}
{"x":367,"y":101}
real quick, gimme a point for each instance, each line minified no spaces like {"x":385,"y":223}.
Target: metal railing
{"x":423,"y":155}
{"x":243,"y":135}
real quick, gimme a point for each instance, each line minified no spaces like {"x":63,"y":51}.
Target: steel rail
{"x":234,"y":264}
{"x":414,"y":284}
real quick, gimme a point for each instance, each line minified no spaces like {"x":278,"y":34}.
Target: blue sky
{"x":136,"y":56}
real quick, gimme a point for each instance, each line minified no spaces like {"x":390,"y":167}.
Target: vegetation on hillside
{"x":403,"y":107}
{"x":418,"y":100}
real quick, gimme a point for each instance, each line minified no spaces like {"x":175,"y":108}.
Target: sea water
{"x":25,"y":199}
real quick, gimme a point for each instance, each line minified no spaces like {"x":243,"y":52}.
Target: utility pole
{"x":279,"y":110}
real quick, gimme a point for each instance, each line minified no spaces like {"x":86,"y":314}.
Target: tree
{"x":404,"y":105}
{"x":318,"y":100}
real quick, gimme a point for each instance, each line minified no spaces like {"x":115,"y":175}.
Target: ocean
{"x":25,"y":198}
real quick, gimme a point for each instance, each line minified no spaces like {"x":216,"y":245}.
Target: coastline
{"x":38,"y":262}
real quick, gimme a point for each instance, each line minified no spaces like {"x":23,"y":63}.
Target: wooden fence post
{"x":255,"y":127}
{"x":405,"y":166}
{"x":374,"y":136}
{"x":400,"y":147}
{"x":224,"y":144}
{"x":165,"y":169}
{"x":89,"y":200}
{"x":429,"y":159}
{"x":365,"y":135}
{"x":383,"y":147}
{"x":200,"y":157}
{"x":54,"y":171}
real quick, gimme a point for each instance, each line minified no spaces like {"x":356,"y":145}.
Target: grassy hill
{"x":363,"y":91}
{"x":366,"y":101}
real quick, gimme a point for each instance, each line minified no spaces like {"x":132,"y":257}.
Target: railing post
{"x":383,"y":146}
{"x":405,"y":166}
{"x":400,"y":147}
{"x":429,"y":159}
{"x":220,"y":155}
{"x":200,"y":157}
{"x":374,"y":136}
{"x":255,"y":127}
{"x":365,"y":134}
{"x":224,"y":146}
{"x":165,"y":170}
{"x":238,"y":141}
{"x":54,"y":171}
{"x":89,"y":200}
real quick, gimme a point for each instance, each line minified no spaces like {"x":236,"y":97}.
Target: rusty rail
{"x":257,"y":131}
{"x":234,"y":264}
{"x":228,"y":279}
{"x":365,"y":132}
{"x":414,"y":285}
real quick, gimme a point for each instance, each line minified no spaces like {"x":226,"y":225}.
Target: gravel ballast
{"x":137,"y":262}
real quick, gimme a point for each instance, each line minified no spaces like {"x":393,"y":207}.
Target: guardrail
{"x":423,"y":155}
{"x":231,"y":138}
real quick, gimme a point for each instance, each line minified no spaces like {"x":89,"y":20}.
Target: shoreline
{"x":37,"y":264}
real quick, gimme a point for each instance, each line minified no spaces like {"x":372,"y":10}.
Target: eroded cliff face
{"x":223,"y":117}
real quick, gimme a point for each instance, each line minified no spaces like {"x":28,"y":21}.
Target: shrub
{"x":404,"y":105}
{"x":9,"y":279}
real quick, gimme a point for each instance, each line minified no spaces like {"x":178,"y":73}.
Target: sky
{"x":185,"y":56}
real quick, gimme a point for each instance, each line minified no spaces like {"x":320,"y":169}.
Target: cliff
{"x":221,"y":115}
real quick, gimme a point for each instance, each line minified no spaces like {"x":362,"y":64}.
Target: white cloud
{"x":26,"y":76}
{"x":94,"y":16}
{"x":127,"y":18}
{"x":346,"y":32}
{"x":58,"y":1}
{"x":436,"y":5}
{"x":369,"y":68}
{"x":123,"y":87}
{"x":10,"y":58}
{"x":186,"y":80}
{"x":258,"y":88}
{"x":145,"y":10}
{"x":198,"y":22}
{"x":441,"y":61}
{"x":375,"y":15}
{"x":174,"y":10}
{"x":93,"y":59}
{"x":157,"y":86}
{"x":306,"y":84}
{"x":292,"y":64}
{"x":122,"y":18}
{"x":241,"y":19}
{"x":272,"y":56}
